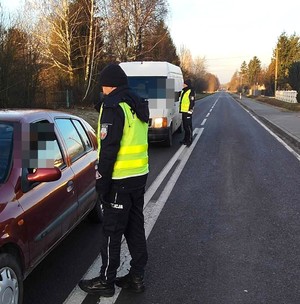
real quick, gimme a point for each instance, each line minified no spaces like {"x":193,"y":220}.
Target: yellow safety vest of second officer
{"x":185,"y":101}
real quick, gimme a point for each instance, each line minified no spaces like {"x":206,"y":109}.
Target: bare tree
{"x":55,"y":34}
{"x":186,"y":61}
{"x":70,"y":40}
{"x":199,"y":67}
{"x":129,"y":23}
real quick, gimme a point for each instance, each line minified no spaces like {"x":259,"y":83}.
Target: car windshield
{"x":6,"y":148}
{"x":148,"y":87}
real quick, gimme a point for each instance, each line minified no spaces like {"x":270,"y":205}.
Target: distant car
{"x":47,"y":186}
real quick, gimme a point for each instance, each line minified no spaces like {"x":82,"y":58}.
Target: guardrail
{"x":288,"y":96}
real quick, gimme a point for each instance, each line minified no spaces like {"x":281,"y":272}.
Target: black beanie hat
{"x":188,"y":82}
{"x":113,"y":76}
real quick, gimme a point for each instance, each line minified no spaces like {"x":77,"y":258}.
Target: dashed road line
{"x":203,"y":122}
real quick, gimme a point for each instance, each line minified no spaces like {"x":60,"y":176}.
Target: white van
{"x":160,"y":83}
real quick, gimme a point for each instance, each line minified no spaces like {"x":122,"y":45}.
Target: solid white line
{"x":154,"y":186}
{"x":155,"y":208}
{"x":290,"y":149}
{"x":77,"y":295}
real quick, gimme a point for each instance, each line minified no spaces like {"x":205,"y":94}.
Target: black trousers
{"x":188,"y":128}
{"x":123,"y":216}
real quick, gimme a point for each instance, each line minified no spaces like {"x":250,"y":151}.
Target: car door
{"x":83,"y":158}
{"x":50,"y":208}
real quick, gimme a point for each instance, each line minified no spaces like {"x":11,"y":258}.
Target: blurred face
{"x":107,"y":90}
{"x":184,"y":85}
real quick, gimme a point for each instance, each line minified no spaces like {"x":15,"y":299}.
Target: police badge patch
{"x":103,"y":131}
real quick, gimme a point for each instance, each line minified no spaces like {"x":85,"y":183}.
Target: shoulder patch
{"x":103,"y":131}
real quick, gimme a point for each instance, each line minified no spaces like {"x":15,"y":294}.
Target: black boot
{"x":98,"y":287}
{"x":132,"y":282}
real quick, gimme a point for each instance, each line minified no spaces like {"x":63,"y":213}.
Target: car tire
{"x":11,"y":282}
{"x":96,"y":214}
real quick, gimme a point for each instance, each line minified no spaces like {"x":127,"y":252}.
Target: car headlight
{"x":160,"y":122}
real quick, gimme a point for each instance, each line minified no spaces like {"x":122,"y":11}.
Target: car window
{"x":57,"y":156}
{"x":6,"y":148}
{"x":83,"y":134}
{"x":44,"y":150}
{"x":74,"y":143}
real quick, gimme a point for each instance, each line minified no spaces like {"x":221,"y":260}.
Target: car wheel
{"x":11,"y":283}
{"x":96,"y":214}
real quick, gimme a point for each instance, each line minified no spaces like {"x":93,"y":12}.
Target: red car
{"x":47,"y":186}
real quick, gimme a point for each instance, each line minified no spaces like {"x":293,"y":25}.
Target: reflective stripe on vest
{"x":132,"y":158}
{"x":185,"y":101}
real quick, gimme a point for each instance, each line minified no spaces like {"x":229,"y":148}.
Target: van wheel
{"x":169,"y":140}
{"x":11,"y":282}
{"x":96,"y":214}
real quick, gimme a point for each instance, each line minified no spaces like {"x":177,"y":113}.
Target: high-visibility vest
{"x":185,"y":101}
{"x":132,"y":158}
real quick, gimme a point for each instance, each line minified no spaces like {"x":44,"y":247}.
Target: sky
{"x":227,"y":32}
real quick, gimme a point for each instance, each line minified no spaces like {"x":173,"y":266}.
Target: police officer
{"x":187,"y":102}
{"x":120,"y":182}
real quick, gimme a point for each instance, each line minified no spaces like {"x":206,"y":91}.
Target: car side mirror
{"x":44,"y":175}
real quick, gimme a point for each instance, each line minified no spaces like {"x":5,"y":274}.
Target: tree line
{"x":52,"y":53}
{"x":283,"y":72}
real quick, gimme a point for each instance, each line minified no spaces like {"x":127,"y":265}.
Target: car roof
{"x":29,"y":115}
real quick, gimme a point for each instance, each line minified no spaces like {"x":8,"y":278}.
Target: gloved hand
{"x":102,"y":184}
{"x":190,"y":111}
{"x":103,"y":201}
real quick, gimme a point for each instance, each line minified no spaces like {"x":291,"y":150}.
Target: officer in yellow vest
{"x":120,"y":182}
{"x":187,"y":102}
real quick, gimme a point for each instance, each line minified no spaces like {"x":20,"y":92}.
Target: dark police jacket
{"x":112,"y":122}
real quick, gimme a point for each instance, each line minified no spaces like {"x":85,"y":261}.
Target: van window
{"x":149,"y":87}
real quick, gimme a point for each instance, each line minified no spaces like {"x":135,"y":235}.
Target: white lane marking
{"x":203,"y":122}
{"x":154,"y":186}
{"x":155,"y":207}
{"x":207,"y":115}
{"x":290,"y":149}
{"x":77,"y":295}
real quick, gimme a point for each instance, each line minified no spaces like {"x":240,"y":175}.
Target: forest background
{"x":51,"y":53}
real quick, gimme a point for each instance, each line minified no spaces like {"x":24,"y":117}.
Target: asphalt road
{"x":229,"y":232}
